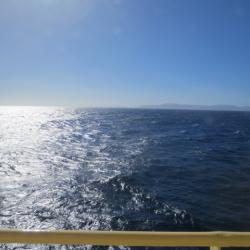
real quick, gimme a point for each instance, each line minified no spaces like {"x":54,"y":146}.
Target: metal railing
{"x":214,"y":240}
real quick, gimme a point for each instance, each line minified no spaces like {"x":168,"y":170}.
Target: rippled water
{"x":123,"y":169}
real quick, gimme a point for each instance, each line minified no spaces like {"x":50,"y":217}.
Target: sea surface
{"x":123,"y":169}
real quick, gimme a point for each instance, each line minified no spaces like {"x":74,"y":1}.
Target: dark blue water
{"x":124,"y":169}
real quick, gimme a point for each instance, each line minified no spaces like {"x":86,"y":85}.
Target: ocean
{"x":123,"y":169}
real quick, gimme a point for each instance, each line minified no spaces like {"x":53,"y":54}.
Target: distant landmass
{"x":197,"y":107}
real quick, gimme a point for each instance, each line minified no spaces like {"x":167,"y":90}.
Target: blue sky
{"x":124,"y":52}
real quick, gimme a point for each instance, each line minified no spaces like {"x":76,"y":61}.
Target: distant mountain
{"x":197,"y":107}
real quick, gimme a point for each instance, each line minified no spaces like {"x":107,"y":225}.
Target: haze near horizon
{"x":124,"y":53}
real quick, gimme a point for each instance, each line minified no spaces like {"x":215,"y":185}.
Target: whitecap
{"x":237,"y":132}
{"x":196,"y":125}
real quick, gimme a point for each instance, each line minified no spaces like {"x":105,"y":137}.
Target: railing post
{"x":215,"y":248}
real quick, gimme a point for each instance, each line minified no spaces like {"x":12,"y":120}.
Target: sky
{"x":124,"y":52}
